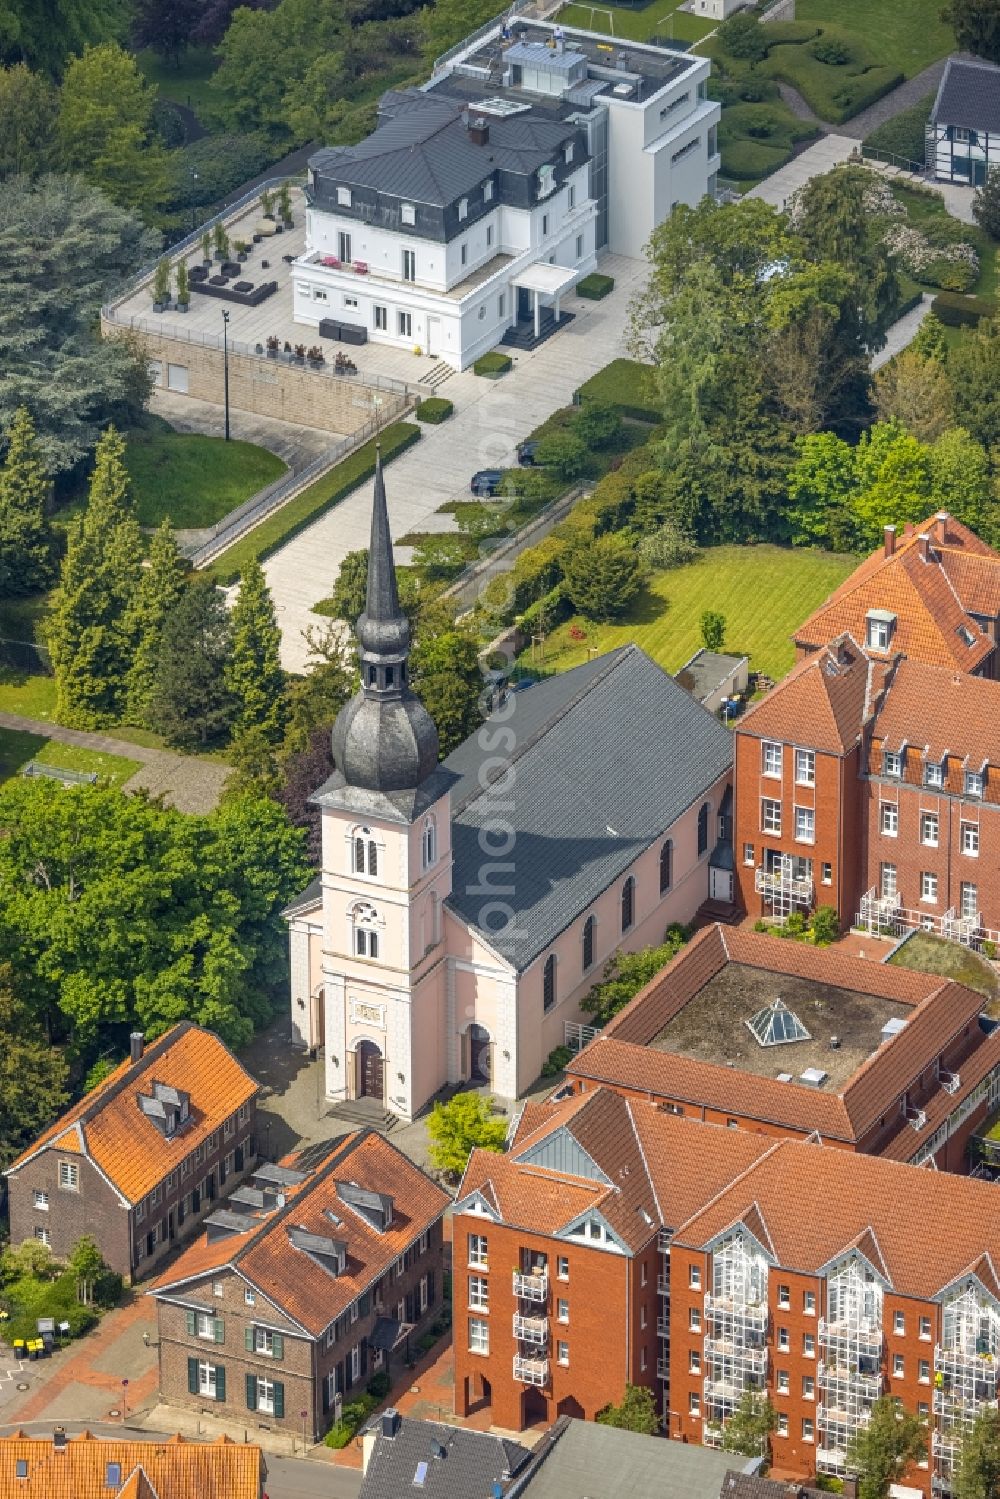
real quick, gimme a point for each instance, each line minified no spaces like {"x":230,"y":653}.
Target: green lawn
{"x":764,"y":592}
{"x":659,"y":18}
{"x":33,"y":697}
{"x":929,"y":954}
{"x":907,"y":33}
{"x":17,"y":749}
{"x":189,"y":83}
{"x":195,"y":480}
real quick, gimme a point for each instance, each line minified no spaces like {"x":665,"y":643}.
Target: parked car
{"x":486,"y":483}
{"x":526,"y":454}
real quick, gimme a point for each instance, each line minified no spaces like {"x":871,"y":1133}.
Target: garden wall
{"x":309,"y":398}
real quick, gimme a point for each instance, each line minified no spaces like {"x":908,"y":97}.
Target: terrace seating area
{"x":245,"y":293}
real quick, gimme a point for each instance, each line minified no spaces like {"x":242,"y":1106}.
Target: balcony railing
{"x":772,"y":885}
{"x":752,"y":1358}
{"x":745,"y":1321}
{"x":967,"y":1368}
{"x":711,"y":1434}
{"x":663,"y":1368}
{"x":531,"y":1370}
{"x":663,"y":1285}
{"x":531,"y":1287}
{"x":531,"y":1329}
{"x":843,"y":1382}
{"x":848,"y":1337}
{"x":830,"y":1459}
{"x":663,"y":1327}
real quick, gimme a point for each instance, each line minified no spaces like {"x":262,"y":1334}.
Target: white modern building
{"x":483,"y":197}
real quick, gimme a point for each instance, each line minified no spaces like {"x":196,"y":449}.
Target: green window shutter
{"x":192,"y":1325}
{"x":279,"y":1346}
{"x":220,"y":1382}
{"x":192,"y":1376}
{"x":251,"y":1392}
{"x":219,"y":1329}
{"x":279,"y":1400}
{"x":248,"y":1339}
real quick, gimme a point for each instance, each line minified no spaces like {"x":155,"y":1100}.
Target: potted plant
{"x":267,"y":203}
{"x":161,"y":286}
{"x":206,"y":249}
{"x":221,"y":241}
{"x":183,"y":287}
{"x":288,"y":347}
{"x":242,"y":249}
{"x":315,"y":355}
{"x":285,"y":204}
{"x":300,"y":351}
{"x":273,"y":345}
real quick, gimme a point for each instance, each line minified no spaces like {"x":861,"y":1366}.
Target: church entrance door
{"x":479,"y":1054}
{"x":370,"y":1071}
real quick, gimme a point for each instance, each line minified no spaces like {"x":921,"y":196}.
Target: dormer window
{"x":166,"y":1107}
{"x":965,"y":635}
{"x":344,"y":197}
{"x":463,"y":208}
{"x":892,"y":764}
{"x":934,"y":773}
{"x":568,"y":153}
{"x":879,"y":627}
{"x":408,"y":214}
{"x":546,"y":180}
{"x":973,"y":783}
{"x":487,"y":192}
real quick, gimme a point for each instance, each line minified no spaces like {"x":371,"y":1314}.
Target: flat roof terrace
{"x":844,"y":1025}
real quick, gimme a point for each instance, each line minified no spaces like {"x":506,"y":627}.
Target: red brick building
{"x":305,"y":1285}
{"x":748,"y":1031}
{"x":139,"y":1161}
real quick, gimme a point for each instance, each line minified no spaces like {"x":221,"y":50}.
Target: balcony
{"x":843,"y":1383}
{"x":850,"y":1341}
{"x":533,"y":1371}
{"x":972,"y":1372}
{"x":663,"y":1285}
{"x":743,"y":1323}
{"x":775,"y":885}
{"x":531,"y":1329}
{"x":663,"y":1327}
{"x":531,"y":1287}
{"x":830,"y":1459}
{"x":711,"y":1434}
{"x":754,"y":1359}
{"x":663,"y":1368}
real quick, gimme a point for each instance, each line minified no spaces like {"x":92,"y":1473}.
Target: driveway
{"x":490,"y":418}
{"x":827,"y":153}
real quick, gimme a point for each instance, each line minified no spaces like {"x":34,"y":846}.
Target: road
{"x":287,"y":1477}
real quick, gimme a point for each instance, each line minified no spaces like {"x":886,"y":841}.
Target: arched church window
{"x":430,"y":842}
{"x":365,"y":852}
{"x":628,"y":903}
{"x":365,"y":921}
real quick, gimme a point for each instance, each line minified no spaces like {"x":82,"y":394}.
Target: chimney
{"x":479,"y":131}
{"x":135,"y":1045}
{"x":890,"y":541}
{"x":908,"y":528}
{"x":924,"y":546}
{"x":59,"y":1439}
{"x":391,"y":1422}
{"x":941,"y":527}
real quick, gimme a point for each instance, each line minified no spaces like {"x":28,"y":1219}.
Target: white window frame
{"x":973,"y":783}
{"x":41,"y":1201}
{"x":889,"y":819}
{"x":69,"y":1176}
{"x":249,"y":1299}
{"x":970,"y":839}
{"x":770,"y":816}
{"x":478,"y":1252}
{"x":805,"y":824}
{"x":892,"y":763}
{"x":888,"y":881}
{"x":344,"y":197}
{"x":771,"y":755}
{"x":928,"y":887}
{"x":934,"y":773}
{"x":407,"y":213}
{"x":206,"y":1379}
{"x":203,"y":1320}
{"x":479,"y":1336}
{"x":930,"y":829}
{"x":479,"y":1293}
{"x":805,"y":767}
{"x":968,"y":905}
{"x":265,"y":1396}
{"x":404,"y":324}
{"x":263,"y":1341}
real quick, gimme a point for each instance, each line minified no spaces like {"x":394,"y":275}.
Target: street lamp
{"x":194,"y":206}
{"x":225,"y":365}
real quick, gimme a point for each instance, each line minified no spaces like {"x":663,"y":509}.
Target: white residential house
{"x":483,"y":197}
{"x":963,"y":133}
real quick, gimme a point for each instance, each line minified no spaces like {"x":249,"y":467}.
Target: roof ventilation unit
{"x":813,"y":1077}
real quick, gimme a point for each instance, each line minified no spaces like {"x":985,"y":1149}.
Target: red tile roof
{"x":165,"y":1468}
{"x":943,"y":711}
{"x":831,"y":691}
{"x":289,"y":1276}
{"x":108,"y":1126}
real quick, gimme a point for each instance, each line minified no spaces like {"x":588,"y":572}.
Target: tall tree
{"x":25,"y":490}
{"x":348,"y":597}
{"x":317,"y":698}
{"x":57,"y":233}
{"x":882,"y":1452}
{"x":961,"y":482}
{"x":637,"y":1412}
{"x":105,"y":129}
{"x":916,"y":392}
{"x":32,"y":1073}
{"x":191,"y":705}
{"x":832,"y":216}
{"x":976,"y":24}
{"x":87,"y":627}
{"x":44,"y":33}
{"x":979,"y":1464}
{"x":166,"y":27}
{"x":254,"y":676}
{"x":930,"y":340}
{"x":446,"y":674}
{"x":974,"y":371}
{"x":156,"y":601}
{"x":303,"y":773}
{"x":748,"y":1430}
{"x":27,"y":104}
{"x":605,"y":578}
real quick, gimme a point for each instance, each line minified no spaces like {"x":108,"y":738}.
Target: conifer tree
{"x":25,"y":533}
{"x":88,"y":627}
{"x":156,"y":599}
{"x":191,"y":705}
{"x":254,"y":676}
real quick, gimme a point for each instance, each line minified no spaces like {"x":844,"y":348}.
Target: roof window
{"x":777,"y":1025}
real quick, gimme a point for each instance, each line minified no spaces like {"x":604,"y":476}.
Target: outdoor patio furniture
{"x":217,"y":280}
{"x":265,"y":265}
{"x":198,"y":273}
{"x":353,"y":333}
{"x":226,"y":293}
{"x":243,"y":286}
{"x":288,"y":259}
{"x":329,"y":328}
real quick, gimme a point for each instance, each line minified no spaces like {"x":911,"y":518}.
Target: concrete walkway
{"x":828,"y":152}
{"x":903,"y":332}
{"x":890,"y":105}
{"x":186,"y":782}
{"x":490,"y":418}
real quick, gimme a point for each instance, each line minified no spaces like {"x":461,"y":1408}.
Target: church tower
{"x":386,"y":866}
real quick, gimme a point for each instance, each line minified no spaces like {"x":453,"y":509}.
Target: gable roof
{"x":891,"y":1213}
{"x":460,"y":1464}
{"x":592,"y":794}
{"x":933,"y":618}
{"x":108,"y":1126}
{"x":968,"y":95}
{"x":754,"y":1486}
{"x":274,"y":1256}
{"x":942,"y":712}
{"x":164,"y":1468}
{"x":831,"y":691}
{"x":582,"y":1460}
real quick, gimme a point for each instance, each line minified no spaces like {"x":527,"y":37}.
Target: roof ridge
{"x":753,"y":1166}
{"x":645,"y":1163}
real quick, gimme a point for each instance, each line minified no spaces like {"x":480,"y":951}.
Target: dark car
{"x":527,"y":454}
{"x":487,"y":482}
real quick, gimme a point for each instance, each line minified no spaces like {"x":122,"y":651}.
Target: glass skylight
{"x":777,"y":1025}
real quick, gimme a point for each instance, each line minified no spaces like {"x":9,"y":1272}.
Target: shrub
{"x":557,"y":1060}
{"x":338,"y":1436}
{"x":748,"y":160}
{"x":595,"y":286}
{"x":161,"y":282}
{"x":379,"y":1385}
{"x":825,"y":926}
{"x":667,"y":547}
{"x":832,"y":51}
{"x":565,"y":453}
{"x":904,"y":135}
{"x":744,"y":37}
{"x":625,"y":385}
{"x":795,"y":925}
{"x":492,"y":364}
{"x":986,"y":204}
{"x":962,"y":312}
{"x":435,"y":409}
{"x":989,"y":949}
{"x":604,"y":578}
{"x":210,"y":168}
{"x":597,"y":425}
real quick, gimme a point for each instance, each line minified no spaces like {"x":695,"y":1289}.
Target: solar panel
{"x":777,"y":1025}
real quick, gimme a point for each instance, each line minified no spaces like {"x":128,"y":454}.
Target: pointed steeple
{"x":383,"y":629}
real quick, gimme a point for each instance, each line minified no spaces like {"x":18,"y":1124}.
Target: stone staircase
{"x":437,"y":375}
{"x":364,"y":1111}
{"x":522,"y":336}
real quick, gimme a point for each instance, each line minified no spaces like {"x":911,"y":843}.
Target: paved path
{"x":490,"y":418}
{"x":187,"y":782}
{"x":828,"y":152}
{"x":800,"y":109}
{"x":890,"y":105}
{"x":83,"y":1382}
{"x":903,"y":332}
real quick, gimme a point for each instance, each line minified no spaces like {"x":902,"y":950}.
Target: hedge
{"x":908,"y":304}
{"x":626,"y":386}
{"x":595,"y":286}
{"x":904,"y":135}
{"x":313,"y":502}
{"x":492,"y":364}
{"x":435,"y":409}
{"x":956,"y":311}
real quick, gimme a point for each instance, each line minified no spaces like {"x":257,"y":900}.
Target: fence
{"x":903,"y":163}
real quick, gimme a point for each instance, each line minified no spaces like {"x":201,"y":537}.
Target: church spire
{"x":383,"y":629}
{"x":383,"y":597}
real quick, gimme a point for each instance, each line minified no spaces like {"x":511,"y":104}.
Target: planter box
{"x":329,"y":328}
{"x":353,"y":333}
{"x":159,"y":306}
{"x":273,"y":353}
{"x":183,"y":306}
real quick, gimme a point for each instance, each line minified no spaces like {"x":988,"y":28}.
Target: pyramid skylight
{"x":776,"y":1025}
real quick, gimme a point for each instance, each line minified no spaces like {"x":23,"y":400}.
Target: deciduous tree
{"x":25,"y":490}
{"x":882,"y":1452}
{"x":976,"y":24}
{"x":915,"y":391}
{"x":930,"y":340}
{"x":979,"y":1463}
{"x":625,"y":973}
{"x":303,"y":773}
{"x":463,"y":1124}
{"x":105,"y":129}
{"x":748,"y":1430}
{"x":713,"y":629}
{"x":637,"y":1412}
{"x":44,"y":33}
{"x":191,"y":706}
{"x":166,"y":27}
{"x":974,"y":371}
{"x":27,"y":105}
{"x":446,"y":675}
{"x":32,"y":1073}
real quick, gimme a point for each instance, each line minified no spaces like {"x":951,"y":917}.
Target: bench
{"x":59,"y":773}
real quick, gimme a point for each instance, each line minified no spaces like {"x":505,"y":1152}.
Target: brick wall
{"x":95,"y":1209}
{"x":265,"y":387}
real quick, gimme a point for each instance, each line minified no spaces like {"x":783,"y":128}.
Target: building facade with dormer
{"x":483,"y":197}
{"x":464,"y":908}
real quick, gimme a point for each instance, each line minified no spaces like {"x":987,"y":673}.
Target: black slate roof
{"x":473,"y":1462}
{"x":969,"y":96}
{"x":600,"y":761}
